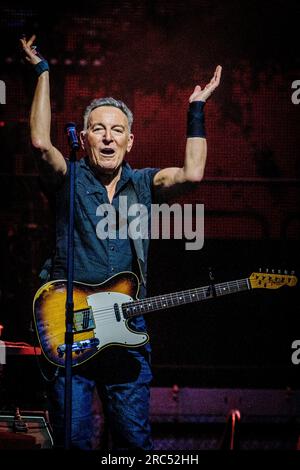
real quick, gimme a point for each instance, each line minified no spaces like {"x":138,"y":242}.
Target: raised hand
{"x":31,"y":54}
{"x":202,"y":95}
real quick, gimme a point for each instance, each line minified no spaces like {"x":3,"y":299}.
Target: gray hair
{"x":96,"y":103}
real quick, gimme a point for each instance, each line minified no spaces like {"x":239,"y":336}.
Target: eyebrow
{"x":101,"y":124}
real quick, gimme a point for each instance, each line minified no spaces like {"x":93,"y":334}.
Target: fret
{"x":231,"y":287}
{"x":160,"y":302}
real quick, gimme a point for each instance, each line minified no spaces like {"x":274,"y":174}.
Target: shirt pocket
{"x":87,"y":203}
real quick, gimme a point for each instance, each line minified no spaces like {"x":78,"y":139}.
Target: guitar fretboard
{"x":150,"y":304}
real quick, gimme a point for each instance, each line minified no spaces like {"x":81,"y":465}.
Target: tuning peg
{"x":285,"y":271}
{"x":267,"y":270}
{"x":292,"y":273}
{"x":259,"y":270}
{"x":273,"y":271}
{"x":279,"y":271}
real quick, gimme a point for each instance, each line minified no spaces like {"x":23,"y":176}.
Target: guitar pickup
{"x":83,"y":320}
{"x":79,"y":346}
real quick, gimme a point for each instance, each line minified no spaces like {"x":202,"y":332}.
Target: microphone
{"x":72,"y":135}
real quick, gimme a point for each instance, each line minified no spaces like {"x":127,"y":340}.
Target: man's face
{"x":107,"y":138}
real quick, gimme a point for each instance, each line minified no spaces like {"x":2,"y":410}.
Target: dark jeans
{"x":126,"y":406}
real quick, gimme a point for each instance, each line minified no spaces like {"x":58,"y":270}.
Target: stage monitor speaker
{"x":25,"y":430}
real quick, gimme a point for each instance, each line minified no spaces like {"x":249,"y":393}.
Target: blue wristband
{"x":41,"y":67}
{"x":195,"y":120}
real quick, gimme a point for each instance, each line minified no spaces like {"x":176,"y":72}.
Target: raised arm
{"x":51,"y":160}
{"x":196,"y":147}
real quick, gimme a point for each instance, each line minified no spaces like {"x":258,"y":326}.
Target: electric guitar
{"x":102,"y":311}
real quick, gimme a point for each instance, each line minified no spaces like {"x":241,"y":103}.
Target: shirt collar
{"x":95,"y":184}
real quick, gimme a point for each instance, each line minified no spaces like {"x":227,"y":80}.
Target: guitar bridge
{"x":79,"y":346}
{"x":83,"y":320}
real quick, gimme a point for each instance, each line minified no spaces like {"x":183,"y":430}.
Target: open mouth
{"x":108,"y":152}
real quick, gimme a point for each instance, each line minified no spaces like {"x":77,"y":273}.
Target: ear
{"x":82,"y":137}
{"x":130,"y":142}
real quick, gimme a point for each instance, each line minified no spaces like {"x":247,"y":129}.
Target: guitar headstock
{"x":272,"y":280}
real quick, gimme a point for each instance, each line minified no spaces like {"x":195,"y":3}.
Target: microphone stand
{"x":69,"y":301}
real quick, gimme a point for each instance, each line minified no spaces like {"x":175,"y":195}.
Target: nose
{"x":107,"y":137}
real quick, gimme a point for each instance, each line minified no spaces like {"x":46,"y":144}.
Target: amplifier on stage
{"x":25,"y":430}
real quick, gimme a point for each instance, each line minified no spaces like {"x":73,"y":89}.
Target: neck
{"x":108,"y":179}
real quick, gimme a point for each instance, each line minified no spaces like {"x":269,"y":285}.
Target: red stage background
{"x":151,"y":55}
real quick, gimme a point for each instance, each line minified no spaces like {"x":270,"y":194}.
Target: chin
{"x":108,"y":167}
{"x":105,"y":165}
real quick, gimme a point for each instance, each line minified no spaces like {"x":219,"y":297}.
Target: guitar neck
{"x":161,"y":302}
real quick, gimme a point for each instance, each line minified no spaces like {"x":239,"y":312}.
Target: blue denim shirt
{"x":97,"y":259}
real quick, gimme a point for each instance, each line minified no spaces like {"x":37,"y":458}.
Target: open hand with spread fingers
{"x":202,"y":95}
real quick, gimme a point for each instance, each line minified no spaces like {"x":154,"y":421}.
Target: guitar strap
{"x":132,"y":198}
{"x":45,"y":274}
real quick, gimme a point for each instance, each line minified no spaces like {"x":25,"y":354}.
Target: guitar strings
{"x":199,"y":291}
{"x":107,"y":314}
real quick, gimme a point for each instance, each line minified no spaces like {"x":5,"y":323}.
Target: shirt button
{"x":112,"y":248}
{"x":112,"y":269}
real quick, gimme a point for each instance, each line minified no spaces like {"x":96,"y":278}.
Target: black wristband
{"x":41,"y":67}
{"x":195,"y":119}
